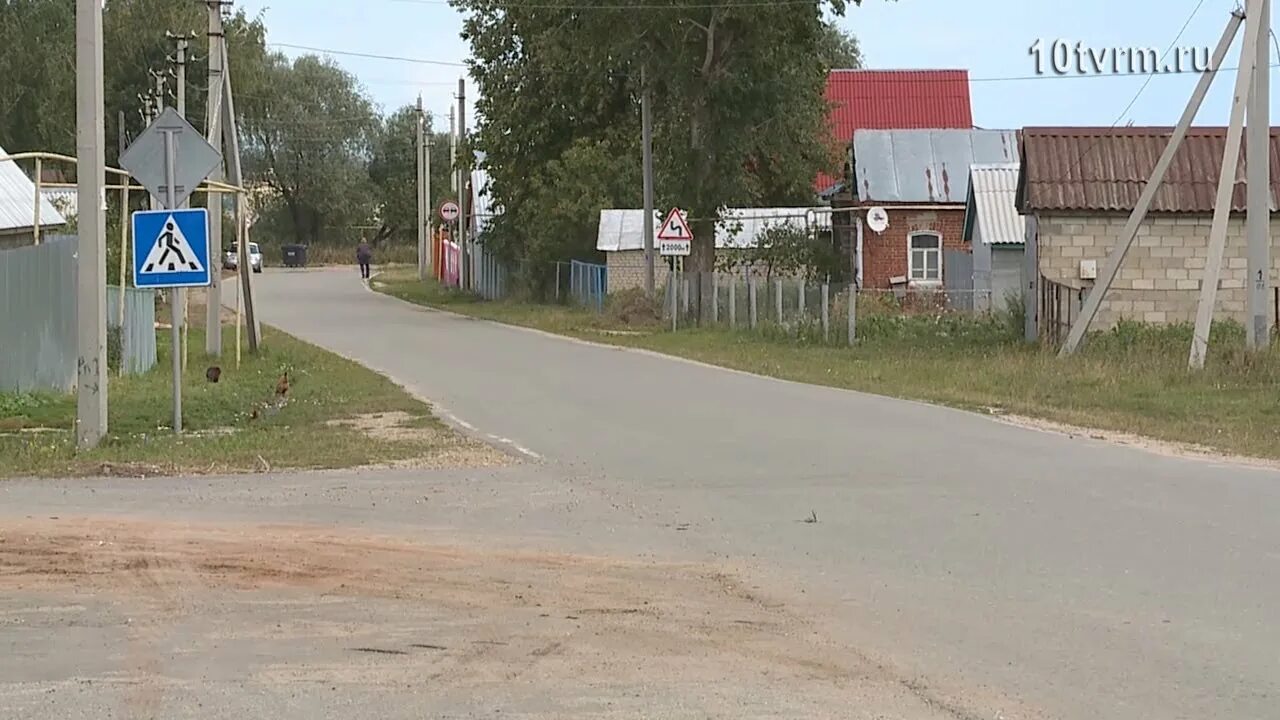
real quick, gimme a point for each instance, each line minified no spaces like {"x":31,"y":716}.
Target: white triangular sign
{"x":171,"y":252}
{"x":675,"y":228}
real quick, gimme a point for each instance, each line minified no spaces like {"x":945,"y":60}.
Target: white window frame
{"x":911,"y":251}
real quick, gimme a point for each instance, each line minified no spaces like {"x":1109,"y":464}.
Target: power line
{"x":1097,"y":141}
{"x":371,"y":56}
{"x":634,"y":6}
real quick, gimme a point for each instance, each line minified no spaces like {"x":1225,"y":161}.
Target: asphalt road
{"x":997,"y":571}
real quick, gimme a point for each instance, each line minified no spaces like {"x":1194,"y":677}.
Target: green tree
{"x":309,"y":137}
{"x":840,"y":50}
{"x":394,"y":173}
{"x":737,"y":87}
{"x":37,"y":59}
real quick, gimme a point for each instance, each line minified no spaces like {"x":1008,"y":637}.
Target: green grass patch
{"x":1132,"y":379}
{"x":230,"y":426}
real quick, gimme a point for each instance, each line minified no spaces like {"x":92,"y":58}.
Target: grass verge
{"x":233,"y":425}
{"x":1131,"y":380}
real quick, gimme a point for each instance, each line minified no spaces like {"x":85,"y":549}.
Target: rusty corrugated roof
{"x":895,"y":100}
{"x":924,"y":166}
{"x":1105,"y":169}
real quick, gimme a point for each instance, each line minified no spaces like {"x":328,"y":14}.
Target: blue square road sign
{"x":171,"y":248}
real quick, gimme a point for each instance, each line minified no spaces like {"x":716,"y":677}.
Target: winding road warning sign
{"x":675,"y":237}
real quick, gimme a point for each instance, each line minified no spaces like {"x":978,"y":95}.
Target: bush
{"x":633,"y":307}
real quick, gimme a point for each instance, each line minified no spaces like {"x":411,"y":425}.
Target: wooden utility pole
{"x":231,"y":153}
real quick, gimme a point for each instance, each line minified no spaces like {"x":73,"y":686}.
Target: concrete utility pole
{"x":646,"y":123}
{"x":1258,"y":159}
{"x":1226,"y":189}
{"x":1107,"y":274}
{"x":426,"y":223}
{"x":181,"y":43}
{"x":464,"y":201}
{"x":422,"y":202}
{"x":91,"y":266}
{"x":213,"y":133}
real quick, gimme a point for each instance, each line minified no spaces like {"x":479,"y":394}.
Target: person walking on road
{"x":364,"y":256}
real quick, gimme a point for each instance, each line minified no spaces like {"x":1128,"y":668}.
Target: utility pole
{"x":91,"y":267}
{"x":213,"y":133}
{"x":231,"y":154}
{"x":453,"y":181}
{"x":1258,"y":159}
{"x":422,"y":210}
{"x":464,"y":202}
{"x":646,"y":122}
{"x":1111,"y":268}
{"x":181,"y":43}
{"x":427,"y":196}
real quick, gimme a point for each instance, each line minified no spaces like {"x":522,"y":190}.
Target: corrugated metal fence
{"x":38,"y":321}
{"x":488,"y":275}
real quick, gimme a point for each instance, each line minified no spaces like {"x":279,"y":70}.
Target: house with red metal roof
{"x":1078,"y":187}
{"x":893,"y":100}
{"x":884,"y":100}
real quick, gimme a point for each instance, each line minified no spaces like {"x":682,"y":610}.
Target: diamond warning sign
{"x":171,"y":248}
{"x":675,"y":237}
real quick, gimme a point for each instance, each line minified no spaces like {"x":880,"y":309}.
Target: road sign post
{"x":675,"y":240}
{"x":171,"y":246}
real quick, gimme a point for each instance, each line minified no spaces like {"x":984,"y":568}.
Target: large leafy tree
{"x":737,"y":92}
{"x":37,"y":61}
{"x":394,"y":172}
{"x":309,"y":137}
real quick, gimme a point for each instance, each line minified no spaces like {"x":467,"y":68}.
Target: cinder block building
{"x":1078,"y":187}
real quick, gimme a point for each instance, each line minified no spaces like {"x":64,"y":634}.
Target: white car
{"x":231,"y":258}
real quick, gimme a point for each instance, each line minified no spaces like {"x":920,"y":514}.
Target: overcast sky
{"x":990,"y":38}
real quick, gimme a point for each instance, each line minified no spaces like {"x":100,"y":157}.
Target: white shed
{"x":621,"y":236}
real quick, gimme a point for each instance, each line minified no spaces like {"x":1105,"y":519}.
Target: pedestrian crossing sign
{"x":171,"y":248}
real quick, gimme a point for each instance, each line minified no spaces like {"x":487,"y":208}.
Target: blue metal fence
{"x":588,"y":284}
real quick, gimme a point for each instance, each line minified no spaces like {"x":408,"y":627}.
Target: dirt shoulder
{"x":446,"y":628}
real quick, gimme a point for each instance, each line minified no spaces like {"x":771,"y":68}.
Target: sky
{"x":990,"y":38}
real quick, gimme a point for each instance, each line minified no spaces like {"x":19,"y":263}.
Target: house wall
{"x":1006,"y":276}
{"x":1159,"y":281}
{"x":884,"y":255}
{"x":625,"y":270}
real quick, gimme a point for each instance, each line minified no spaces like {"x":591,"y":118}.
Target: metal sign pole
{"x":675,"y":291}
{"x":170,"y":203}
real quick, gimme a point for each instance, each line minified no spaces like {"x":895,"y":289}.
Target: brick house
{"x":1078,"y":187}
{"x":921,"y":178}
{"x":885,"y":100}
